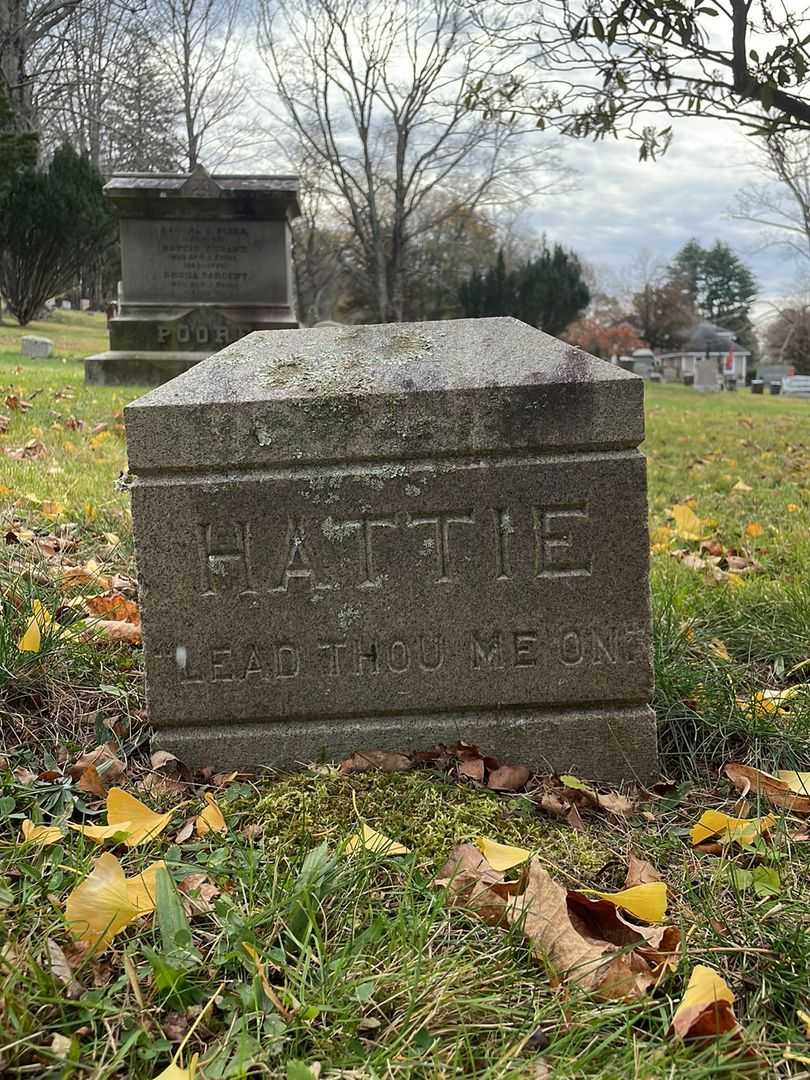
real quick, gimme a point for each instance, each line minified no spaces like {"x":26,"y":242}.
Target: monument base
{"x":138,"y":368}
{"x":610,"y":745}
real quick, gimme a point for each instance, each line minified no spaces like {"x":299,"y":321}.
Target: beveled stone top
{"x":200,"y":192}
{"x":386,"y":392}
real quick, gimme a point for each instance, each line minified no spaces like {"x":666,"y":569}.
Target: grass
{"x":73,"y":333}
{"x":372,"y":974}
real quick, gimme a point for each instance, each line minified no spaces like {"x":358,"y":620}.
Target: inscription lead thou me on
{"x":394,"y":536}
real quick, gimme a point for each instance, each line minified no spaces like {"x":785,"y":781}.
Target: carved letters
{"x":227,"y":564}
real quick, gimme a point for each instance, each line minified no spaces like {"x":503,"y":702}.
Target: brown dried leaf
{"x":616,"y":803}
{"x":600,"y":967}
{"x":776,"y":791}
{"x":124,"y":632}
{"x":23,"y":775}
{"x":472,"y":883}
{"x":114,"y":607}
{"x":640,"y":872}
{"x":472,"y":768}
{"x":91,"y":782}
{"x":185,"y":831}
{"x":60,"y":967}
{"x":508,"y":778}
{"x":198,"y":892}
{"x":382,"y":760}
{"x":101,"y":758}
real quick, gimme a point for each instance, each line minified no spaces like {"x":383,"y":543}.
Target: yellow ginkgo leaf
{"x":754,"y":529}
{"x":687,"y":524}
{"x":211,"y":818}
{"x":501,"y":856}
{"x":101,"y":905}
{"x":40,"y":834}
{"x":805,"y":1019}
{"x":41,"y":619}
{"x":720,"y":649}
{"x":141,"y":822}
{"x":741,"y":486}
{"x":100,"y":833}
{"x":796,"y":781}
{"x":175,"y":1070}
{"x":142,"y":888}
{"x":369,"y":839}
{"x":647,"y":902}
{"x":706,"y":991}
{"x":729,"y":830}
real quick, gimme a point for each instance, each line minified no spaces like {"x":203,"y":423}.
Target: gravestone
{"x":386,"y":537}
{"x":37,"y":347}
{"x":706,"y":375}
{"x":205,"y":260}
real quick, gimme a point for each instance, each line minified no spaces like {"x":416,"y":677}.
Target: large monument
{"x":387,"y":537}
{"x":204,"y":261}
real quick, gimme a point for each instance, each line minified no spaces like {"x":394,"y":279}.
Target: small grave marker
{"x":386,"y":537}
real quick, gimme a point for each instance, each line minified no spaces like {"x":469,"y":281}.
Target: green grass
{"x":376,"y":977}
{"x":73,"y":333}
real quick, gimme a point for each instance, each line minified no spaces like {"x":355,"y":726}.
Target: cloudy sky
{"x":624,"y":207}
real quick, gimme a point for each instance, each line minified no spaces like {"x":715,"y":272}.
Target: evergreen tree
{"x":719,"y":284}
{"x":53,"y":222}
{"x":547,"y":291}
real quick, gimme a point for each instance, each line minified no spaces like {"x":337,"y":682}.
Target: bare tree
{"x":780,"y":204}
{"x":378,"y":94}
{"x":27,"y":30}
{"x":199,"y":43}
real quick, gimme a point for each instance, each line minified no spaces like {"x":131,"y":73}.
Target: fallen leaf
{"x":103,"y":759}
{"x":646,"y":902}
{"x":473,"y":768}
{"x":211,"y":818}
{"x":101,"y":905}
{"x":113,"y":607}
{"x":143,"y":824}
{"x":91,"y":782}
{"x":41,"y":619}
{"x":687,"y":524}
{"x":753,"y":530}
{"x":804,"y":1017}
{"x":706,"y":1009}
{"x":382,"y":760}
{"x":61,"y":968}
{"x":597,"y":966}
{"x":720,"y":650}
{"x":508,"y":778}
{"x":773,"y":788}
{"x":175,"y":1070}
{"x":472,"y":883}
{"x":99,"y":833}
{"x":44,"y":835}
{"x":142,"y":888}
{"x":740,"y":486}
{"x":198,"y":892}
{"x":369,"y":839}
{"x":728,"y":829}
{"x":501,"y":857}
{"x":640,"y":872}
{"x":125,"y":633}
{"x":796,"y":781}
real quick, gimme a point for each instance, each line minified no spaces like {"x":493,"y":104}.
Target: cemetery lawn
{"x":73,"y":333}
{"x":358,"y":963}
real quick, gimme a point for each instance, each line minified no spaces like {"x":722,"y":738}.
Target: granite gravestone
{"x":205,"y":260}
{"x":385,"y":537}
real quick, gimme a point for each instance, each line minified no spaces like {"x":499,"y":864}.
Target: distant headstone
{"x":36,"y":347}
{"x":387,"y":537}
{"x":84,"y":303}
{"x":706,"y":375}
{"x":205,"y":260}
{"x":66,"y":305}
